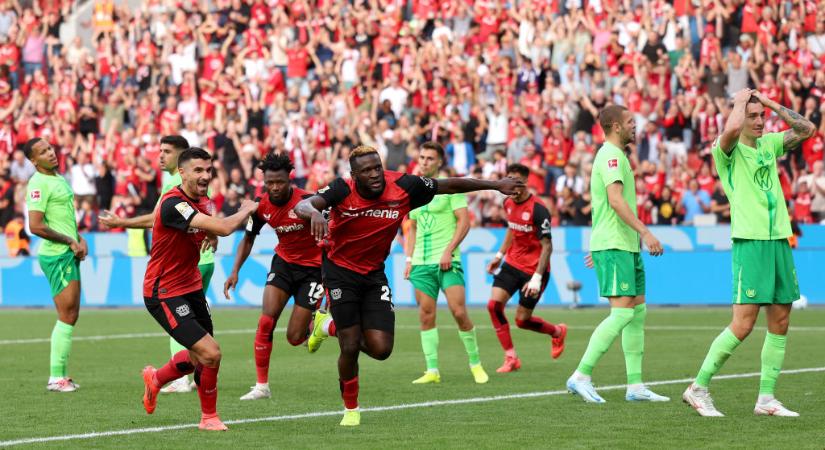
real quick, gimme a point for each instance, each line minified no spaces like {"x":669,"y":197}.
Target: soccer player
{"x":763,"y":267}
{"x":527,"y":248}
{"x":50,"y":202}
{"x":295,"y":270}
{"x":170,"y":148}
{"x":434,"y":264}
{"x":615,"y":249}
{"x":366,"y":212}
{"x":172,"y":288}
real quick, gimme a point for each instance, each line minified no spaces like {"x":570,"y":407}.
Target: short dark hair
{"x":193,"y":153}
{"x":434,"y":146}
{"x":753,"y":99}
{"x":179,"y":142}
{"x":274,"y":162}
{"x":29,"y":146}
{"x":520,"y":169}
{"x":609,"y":115}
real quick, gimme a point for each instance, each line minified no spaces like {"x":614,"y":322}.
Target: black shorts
{"x":186,"y":318}
{"x":300,"y":282}
{"x":511,"y":280}
{"x":356,"y":299}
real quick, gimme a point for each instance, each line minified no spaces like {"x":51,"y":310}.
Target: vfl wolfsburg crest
{"x":426,"y":221}
{"x":624,"y":286}
{"x":751,"y":293}
{"x":762,"y":178}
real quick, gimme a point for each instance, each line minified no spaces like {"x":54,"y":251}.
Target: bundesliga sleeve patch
{"x":35,"y":195}
{"x":612,"y":164}
{"x":428,"y":182}
{"x":249,"y":224}
{"x":185,"y":210}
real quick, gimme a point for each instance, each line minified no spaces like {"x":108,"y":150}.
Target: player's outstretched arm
{"x":801,"y":128}
{"x":735,"y":122}
{"x":38,"y":226}
{"x":113,"y":221}
{"x":224,"y":226}
{"x":310,"y":209}
{"x":241,"y":254}
{"x":618,"y":203}
{"x":506,"y":186}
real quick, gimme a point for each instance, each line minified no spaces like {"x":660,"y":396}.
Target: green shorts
{"x":620,"y":273}
{"x":60,"y":270}
{"x":206,"y":274}
{"x":429,"y":278}
{"x":763,"y":272}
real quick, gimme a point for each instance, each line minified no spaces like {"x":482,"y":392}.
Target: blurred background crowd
{"x":494,"y":81}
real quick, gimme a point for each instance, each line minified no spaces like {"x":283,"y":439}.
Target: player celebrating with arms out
{"x":295,"y":270}
{"x":615,"y":249}
{"x":527,"y":248}
{"x":50,"y":202}
{"x":763,"y":267}
{"x":172,"y":287}
{"x":434,"y":264}
{"x":366,"y":212}
{"x":170,"y":149}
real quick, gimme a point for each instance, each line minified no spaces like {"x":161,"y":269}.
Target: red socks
{"x":538,"y":325}
{"x":208,"y":389}
{"x":177,"y":367}
{"x":349,"y":392}
{"x":332,"y":330}
{"x":500,"y":323}
{"x":263,"y":347}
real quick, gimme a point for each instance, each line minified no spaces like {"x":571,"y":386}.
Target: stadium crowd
{"x":494,"y":81}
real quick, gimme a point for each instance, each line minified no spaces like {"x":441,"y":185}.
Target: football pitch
{"x":525,"y":409}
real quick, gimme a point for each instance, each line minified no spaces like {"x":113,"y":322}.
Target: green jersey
{"x":52,"y":195}
{"x":609,"y":230}
{"x":435,"y":227}
{"x":751,"y":182}
{"x":208,"y":256}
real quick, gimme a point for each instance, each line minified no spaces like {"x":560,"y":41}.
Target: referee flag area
{"x":529,"y":408}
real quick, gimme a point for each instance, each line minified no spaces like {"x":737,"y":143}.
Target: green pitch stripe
{"x":461,"y":401}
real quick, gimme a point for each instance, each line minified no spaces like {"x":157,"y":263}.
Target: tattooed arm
{"x":801,"y":128}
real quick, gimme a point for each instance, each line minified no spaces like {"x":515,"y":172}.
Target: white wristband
{"x":408,"y":259}
{"x":499,"y":255}
{"x":536,"y":278}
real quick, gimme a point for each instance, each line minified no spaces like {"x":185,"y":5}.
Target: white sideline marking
{"x":219,"y":333}
{"x":460,"y":401}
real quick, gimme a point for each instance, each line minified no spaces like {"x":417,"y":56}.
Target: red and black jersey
{"x":529,"y":223}
{"x":361,"y":230}
{"x":296,"y":245}
{"x":173,"y":261}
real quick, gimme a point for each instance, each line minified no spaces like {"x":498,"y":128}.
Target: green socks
{"x":61,"y":347}
{"x":603,"y":338}
{"x":719,"y":352}
{"x":471,"y":345}
{"x":633,"y":344}
{"x":174,"y":347}
{"x":429,"y":343}
{"x":773,"y":354}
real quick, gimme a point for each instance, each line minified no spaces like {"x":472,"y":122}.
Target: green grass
{"x":109,"y":373}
